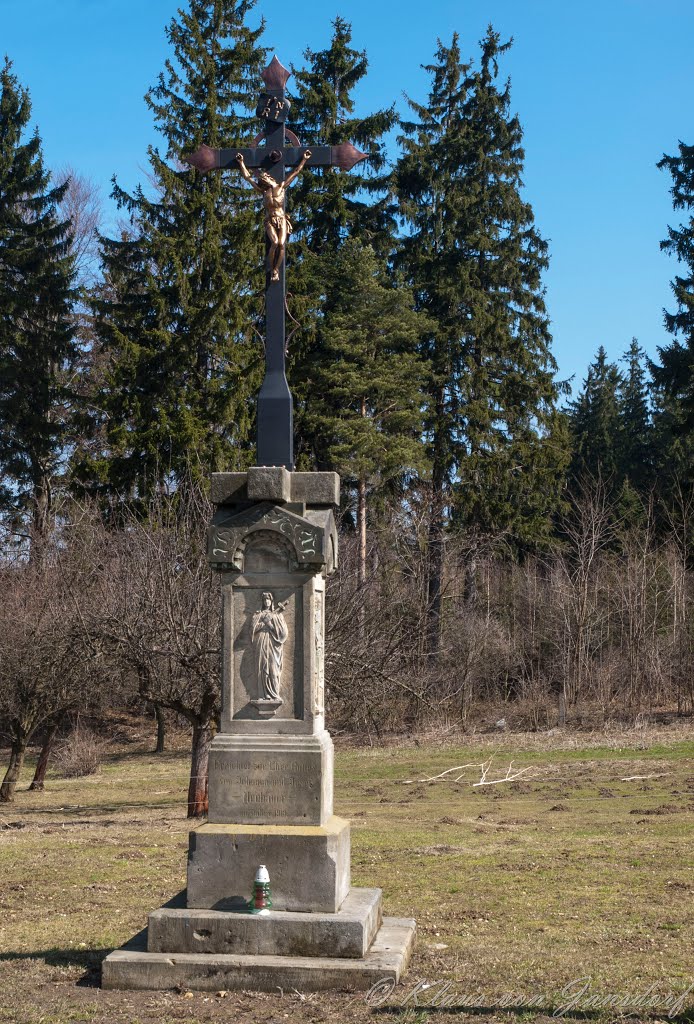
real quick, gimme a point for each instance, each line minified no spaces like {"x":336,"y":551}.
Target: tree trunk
{"x":434,"y":578}
{"x":197,"y":787}
{"x":470,"y":579}
{"x":9,"y":783}
{"x":361,"y":530}
{"x":436,"y":537}
{"x":161,"y":729}
{"x":361,"y":562}
{"x":40,"y":514}
{"x":44,"y":756}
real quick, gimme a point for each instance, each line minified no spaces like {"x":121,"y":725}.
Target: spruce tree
{"x":327,"y":206}
{"x":37,"y":347}
{"x":673,"y":376}
{"x":673,"y":448}
{"x":636,"y":429}
{"x":368,"y":380}
{"x":475,"y":260}
{"x":183,"y":285}
{"x":596,"y":424}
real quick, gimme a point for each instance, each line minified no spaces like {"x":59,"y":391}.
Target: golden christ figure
{"x":278,"y":226}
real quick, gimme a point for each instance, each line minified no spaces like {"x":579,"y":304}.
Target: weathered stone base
{"x":309,"y":865}
{"x":132,"y":967}
{"x":176,"y":928}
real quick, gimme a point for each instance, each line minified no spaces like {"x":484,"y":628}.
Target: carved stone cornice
{"x":312,"y":538}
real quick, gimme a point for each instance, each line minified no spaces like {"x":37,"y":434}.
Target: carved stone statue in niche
{"x":269,"y":633}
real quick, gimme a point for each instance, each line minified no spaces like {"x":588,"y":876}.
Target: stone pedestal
{"x":309,"y":865}
{"x":273,"y":540}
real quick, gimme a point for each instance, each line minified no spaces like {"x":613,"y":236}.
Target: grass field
{"x":577,"y":870}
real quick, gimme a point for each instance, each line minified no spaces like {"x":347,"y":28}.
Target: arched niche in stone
{"x":310,"y":538}
{"x":265,"y":551}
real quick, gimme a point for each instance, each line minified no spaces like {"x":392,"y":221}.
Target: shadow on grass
{"x":96,"y":810}
{"x":89,"y":960}
{"x":521,"y":1009}
{"x":419,"y":1012}
{"x":181,"y":757}
{"x":414,"y":1012}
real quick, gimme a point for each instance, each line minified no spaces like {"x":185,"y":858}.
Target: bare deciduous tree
{"x":160,"y":617}
{"x":82,"y":205}
{"x":49,"y":662}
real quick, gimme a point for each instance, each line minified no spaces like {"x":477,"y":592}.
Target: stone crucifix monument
{"x":274,"y":542}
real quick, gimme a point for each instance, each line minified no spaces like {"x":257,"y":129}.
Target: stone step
{"x":132,"y":967}
{"x":348,"y":933}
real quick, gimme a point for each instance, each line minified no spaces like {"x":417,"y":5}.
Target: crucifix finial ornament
{"x":263,"y":166}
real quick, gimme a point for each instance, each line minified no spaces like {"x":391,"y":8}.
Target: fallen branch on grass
{"x":638,"y":778}
{"x":512,"y":775}
{"x":435,"y":778}
{"x":519,"y":773}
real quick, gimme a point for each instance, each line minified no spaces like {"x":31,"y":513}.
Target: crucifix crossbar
{"x":343,"y":156}
{"x":269,"y":161}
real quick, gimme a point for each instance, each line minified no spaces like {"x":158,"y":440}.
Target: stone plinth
{"x":132,"y":967}
{"x":309,"y":866}
{"x":348,"y":933}
{"x":319,"y":490}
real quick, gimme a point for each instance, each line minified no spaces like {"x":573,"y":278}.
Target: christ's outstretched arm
{"x":247,"y":174}
{"x":299,"y":168}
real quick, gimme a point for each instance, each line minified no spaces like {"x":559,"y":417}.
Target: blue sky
{"x":602,"y":89}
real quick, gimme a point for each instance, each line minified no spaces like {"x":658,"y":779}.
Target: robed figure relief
{"x":269,"y":634}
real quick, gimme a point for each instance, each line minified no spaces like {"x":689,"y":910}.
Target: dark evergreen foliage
{"x":596,"y":423}
{"x":475,"y":261}
{"x":37,"y":346}
{"x":183,"y":285}
{"x":673,"y":375}
{"x":676,"y":372}
{"x":636,"y":427}
{"x":329,"y":206}
{"x":369,"y":377}
{"x":672,"y":455}
{"x":613,"y":441}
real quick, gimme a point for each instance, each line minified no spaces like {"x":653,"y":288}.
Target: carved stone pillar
{"x":271,"y":775}
{"x":273,"y":539}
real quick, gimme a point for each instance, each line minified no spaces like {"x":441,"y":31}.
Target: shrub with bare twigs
{"x":80,"y":753}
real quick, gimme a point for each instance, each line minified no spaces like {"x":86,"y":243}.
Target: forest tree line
{"x":508,"y":551}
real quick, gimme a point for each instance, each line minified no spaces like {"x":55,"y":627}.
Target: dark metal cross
{"x":275,"y":417}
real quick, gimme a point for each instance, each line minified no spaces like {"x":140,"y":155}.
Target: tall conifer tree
{"x":37,"y":347}
{"x":330,"y":205}
{"x":327,"y":206}
{"x":176,"y":309}
{"x":475,"y":259}
{"x":676,"y":371}
{"x":673,"y":376}
{"x":636,"y":462}
{"x":368,"y":380}
{"x":597,"y":424}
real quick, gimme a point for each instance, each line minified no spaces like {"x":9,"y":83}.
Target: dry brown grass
{"x":518,"y":889}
